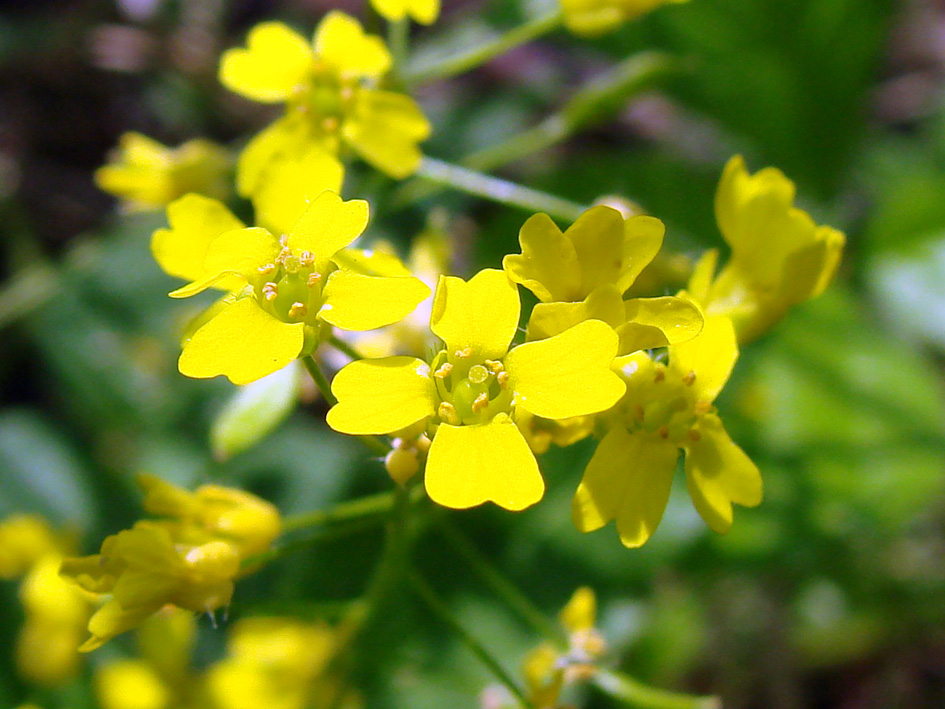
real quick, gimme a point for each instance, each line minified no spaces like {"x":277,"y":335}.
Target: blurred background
{"x":830,"y":594}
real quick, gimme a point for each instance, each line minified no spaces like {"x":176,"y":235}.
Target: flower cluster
{"x":189,"y":558}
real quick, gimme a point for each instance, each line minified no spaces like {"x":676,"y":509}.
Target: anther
{"x":494,"y":366}
{"x":444,"y":371}
{"x":297,"y":310}
{"x":313,"y":279}
{"x":346,"y":93}
{"x":447,"y":413}
{"x":502,"y":378}
{"x":267,"y":269}
{"x":689,"y":379}
{"x":702,"y":407}
{"x":330,"y":124}
{"x":270,"y":291}
{"x":660,"y":375}
{"x":694,"y":435}
{"x":480,"y":403}
{"x":307,"y":258}
{"x":663,"y":431}
{"x":463,"y":354}
{"x":641,"y":414}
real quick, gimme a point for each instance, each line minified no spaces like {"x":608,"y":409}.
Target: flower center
{"x":290,"y":288}
{"x":472,"y":390}
{"x":665,"y":406}
{"x":328,"y":98}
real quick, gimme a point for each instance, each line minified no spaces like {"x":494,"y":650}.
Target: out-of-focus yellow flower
{"x":56,"y":613}
{"x":332,"y":98}
{"x":130,"y":684}
{"x":145,"y":174}
{"x":668,"y":408}
{"x":473,"y":387}
{"x":142,"y":569}
{"x":780,"y":256}
{"x":595,"y":17}
{"x":583,"y":273}
{"x":213,"y":512}
{"x":423,"y":11}
{"x":287,"y":292}
{"x":274,"y":662}
{"x":24,"y":540}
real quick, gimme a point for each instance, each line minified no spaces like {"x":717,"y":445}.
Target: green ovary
{"x":472,"y":393}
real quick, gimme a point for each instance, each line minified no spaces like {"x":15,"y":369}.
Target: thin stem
{"x":486,"y":51}
{"x":379,"y":504}
{"x":344,"y":348}
{"x":442,"y":612}
{"x":497,"y":190}
{"x":398,"y":38}
{"x":640,"y":695}
{"x":500,"y":584}
{"x":321,"y":381}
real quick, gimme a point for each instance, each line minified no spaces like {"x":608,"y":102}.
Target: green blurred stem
{"x":639,"y":695}
{"x":321,"y":381}
{"x":398,"y":39}
{"x":442,"y":612}
{"x":486,"y":51}
{"x":497,"y":190}
{"x":370,"y":506}
{"x":591,"y":104}
{"x":501,"y":586}
{"x":344,"y":348}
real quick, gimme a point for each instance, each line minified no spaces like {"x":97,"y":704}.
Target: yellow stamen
{"x":447,"y":413}
{"x":480,"y":403}
{"x":444,"y":371}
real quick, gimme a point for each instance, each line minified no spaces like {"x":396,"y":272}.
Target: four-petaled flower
{"x":583,"y":273}
{"x":284,"y":292}
{"x":780,"y":256}
{"x":473,"y":388}
{"x":668,"y":408}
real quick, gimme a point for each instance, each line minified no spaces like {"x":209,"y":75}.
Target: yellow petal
{"x":702,"y":276}
{"x":628,"y":479}
{"x":195,"y":221}
{"x":242,"y":342}
{"x":282,"y":140}
{"x":385,"y":129}
{"x":378,"y":396}
{"x":567,"y":375}
{"x":291,"y":183}
{"x":719,"y":473}
{"x":276,"y":63}
{"x":548,"y":265}
{"x":548,"y":319}
{"x":340,"y":41}
{"x":357,"y":302}
{"x":111,"y":620}
{"x":489,"y":462}
{"x":234,"y":253}
{"x":581,"y":611}
{"x":598,"y":237}
{"x":371,"y":262}
{"x":658,"y":322}
{"x":711,"y":356}
{"x":328,"y":225}
{"x":481,"y":314}
{"x":423,"y":11}
{"x":643,"y":237}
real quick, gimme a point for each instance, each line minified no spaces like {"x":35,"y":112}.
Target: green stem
{"x":591,"y":104}
{"x":499,"y":583}
{"x":442,"y":612}
{"x":344,"y":348}
{"x":636,"y":693}
{"x":321,"y":381}
{"x":398,"y":38}
{"x":497,"y":190}
{"x":379,"y":504}
{"x":486,"y":51}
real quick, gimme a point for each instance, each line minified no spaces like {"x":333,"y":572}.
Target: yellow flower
{"x":130,"y":684}
{"x":291,"y":290}
{"x":780,"y":256}
{"x":423,"y":11}
{"x":142,"y":569}
{"x":331,"y":96}
{"x":213,"y":512}
{"x":668,"y":408}
{"x":473,"y":388}
{"x":276,"y":663}
{"x":583,"y":273}
{"x":24,"y":540}
{"x":56,"y":613}
{"x":145,"y":174}
{"x":595,"y":17}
